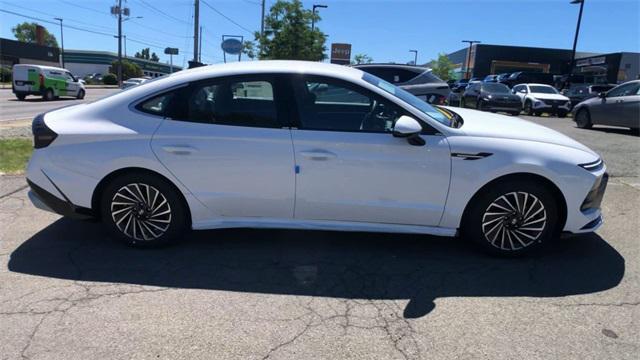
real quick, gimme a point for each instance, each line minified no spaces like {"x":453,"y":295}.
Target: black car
{"x":502,"y":78}
{"x":460,"y":85}
{"x":491,"y":97}
{"x":579,"y":93}
{"x":490,"y":78}
{"x":524,"y":77}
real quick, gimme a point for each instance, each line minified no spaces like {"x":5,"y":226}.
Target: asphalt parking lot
{"x":69,"y":292}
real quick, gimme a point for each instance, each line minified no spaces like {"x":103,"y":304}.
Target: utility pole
{"x":61,"y":41}
{"x":575,"y":39}
{"x":196,"y":25}
{"x":125,"y":45}
{"x":118,"y":11}
{"x":415,"y":58}
{"x":200,"y":47}
{"x":471,"y":42}
{"x":313,"y":19}
{"x":262,"y":21}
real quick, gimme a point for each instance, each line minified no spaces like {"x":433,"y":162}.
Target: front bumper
{"x":552,"y":106}
{"x":502,"y":106}
{"x":44,"y":200}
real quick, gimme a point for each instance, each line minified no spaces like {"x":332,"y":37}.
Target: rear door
{"x":25,"y":79}
{"x":350,"y":166}
{"x":617,"y":107}
{"x":224,"y":139}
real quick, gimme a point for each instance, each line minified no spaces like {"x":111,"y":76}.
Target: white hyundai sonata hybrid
{"x":305,"y":145}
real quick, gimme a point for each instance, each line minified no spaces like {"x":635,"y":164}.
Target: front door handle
{"x":179,"y":149}
{"x":318,"y":154}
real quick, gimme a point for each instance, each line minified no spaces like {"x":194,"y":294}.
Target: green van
{"x":46,"y":81}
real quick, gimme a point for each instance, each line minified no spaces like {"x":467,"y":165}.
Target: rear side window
{"x":157,"y":105}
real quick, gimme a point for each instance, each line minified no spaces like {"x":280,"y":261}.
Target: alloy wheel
{"x":141,"y":211}
{"x":514,"y":221}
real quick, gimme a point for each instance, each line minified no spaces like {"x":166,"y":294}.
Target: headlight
{"x":538,"y":102}
{"x":593,"y":166}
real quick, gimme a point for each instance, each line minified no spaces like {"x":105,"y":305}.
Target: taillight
{"x":42,"y":135}
{"x":41,"y":80}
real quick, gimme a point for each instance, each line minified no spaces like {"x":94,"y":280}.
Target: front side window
{"x":624,"y":90}
{"x":333,"y":105}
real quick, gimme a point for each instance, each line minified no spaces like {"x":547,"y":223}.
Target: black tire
{"x":48,"y":95}
{"x":562,"y":114}
{"x":139,"y":224}
{"x":583,"y":119}
{"x":515,"y":113}
{"x":537,"y":113}
{"x":21,"y":97}
{"x":480,"y":105}
{"x":462,"y":103}
{"x":501,"y":230}
{"x":528,"y":108}
{"x":80,"y":95}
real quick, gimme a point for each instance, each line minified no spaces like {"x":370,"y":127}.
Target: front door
{"x":351,"y":168}
{"x":226,"y":143}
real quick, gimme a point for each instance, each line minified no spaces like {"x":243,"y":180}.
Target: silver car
{"x":619,"y":106}
{"x":419,"y":81}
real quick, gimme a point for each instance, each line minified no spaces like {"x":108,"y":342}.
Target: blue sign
{"x":232,"y":46}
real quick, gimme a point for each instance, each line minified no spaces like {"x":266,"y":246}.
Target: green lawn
{"x":14,"y":154}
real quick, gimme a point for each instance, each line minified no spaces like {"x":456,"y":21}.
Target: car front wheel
{"x":511,"y":218}
{"x":143,"y":210}
{"x":528,"y":108}
{"x":583,"y":119}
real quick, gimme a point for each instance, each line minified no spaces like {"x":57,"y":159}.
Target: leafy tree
{"x":26,"y":32}
{"x":442,"y":67}
{"x":129,"y":69}
{"x":362,"y":59}
{"x":249,"y":49}
{"x":144,"y":54}
{"x":288,"y":33}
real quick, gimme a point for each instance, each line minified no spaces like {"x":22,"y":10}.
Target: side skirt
{"x":297,"y":224}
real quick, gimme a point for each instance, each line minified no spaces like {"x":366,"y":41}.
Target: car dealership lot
{"x":67,"y":291}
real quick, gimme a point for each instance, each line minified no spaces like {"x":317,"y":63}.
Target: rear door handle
{"x":179,"y":149}
{"x":318,"y":154}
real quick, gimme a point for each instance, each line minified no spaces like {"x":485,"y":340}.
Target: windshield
{"x":410,"y":99}
{"x":541,"y":89}
{"x":495,"y":88}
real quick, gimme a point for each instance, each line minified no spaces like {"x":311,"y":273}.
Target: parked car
{"x":132,"y":82}
{"x":580,"y":93}
{"x":502,"y":78}
{"x":419,"y":81}
{"x":191,"y":151}
{"x":524,"y":77}
{"x":491,"y":97}
{"x":490,"y":78}
{"x":460,"y":85}
{"x":46,"y":81}
{"x":619,"y":106}
{"x":540,"y":98}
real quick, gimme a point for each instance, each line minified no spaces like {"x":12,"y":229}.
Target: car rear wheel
{"x":21,"y":96}
{"x":528,"y":108}
{"x":48,"y":95}
{"x":511,"y":218}
{"x":80,"y":94}
{"x":562,"y":114}
{"x":143,"y":210}
{"x":583,"y":119}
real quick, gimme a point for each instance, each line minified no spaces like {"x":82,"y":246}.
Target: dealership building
{"x":484,"y":59}
{"x":79,"y":62}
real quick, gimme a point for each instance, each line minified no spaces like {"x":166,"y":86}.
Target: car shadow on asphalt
{"x":615,"y":130}
{"x":39,"y":99}
{"x":323,"y":263}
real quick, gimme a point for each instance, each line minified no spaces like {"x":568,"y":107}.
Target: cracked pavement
{"x":67,"y":291}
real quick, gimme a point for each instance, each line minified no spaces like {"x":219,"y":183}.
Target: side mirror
{"x":410,"y":128}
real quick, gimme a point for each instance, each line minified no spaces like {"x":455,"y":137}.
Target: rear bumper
{"x":44,"y":200}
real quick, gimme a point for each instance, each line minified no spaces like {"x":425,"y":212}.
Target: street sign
{"x":340,"y":53}
{"x":232,"y":46}
{"x":171,"y":51}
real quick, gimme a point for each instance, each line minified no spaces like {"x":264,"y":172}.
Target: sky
{"x":383,"y":29}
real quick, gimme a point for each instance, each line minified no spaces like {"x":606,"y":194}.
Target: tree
{"x":249,"y":49}
{"x":26,"y":32}
{"x":362,"y":59}
{"x":442,"y":67}
{"x":288,"y":34}
{"x":129,"y":69}
{"x":144,"y":54}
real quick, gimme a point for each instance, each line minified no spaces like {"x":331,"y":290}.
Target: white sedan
{"x":541,"y":98}
{"x":302,"y":145}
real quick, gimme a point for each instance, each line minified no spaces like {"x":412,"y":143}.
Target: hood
{"x":543,"y":96}
{"x":501,"y":96}
{"x":490,"y":125}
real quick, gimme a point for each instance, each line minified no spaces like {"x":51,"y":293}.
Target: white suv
{"x":307,"y":145}
{"x":541,"y":98}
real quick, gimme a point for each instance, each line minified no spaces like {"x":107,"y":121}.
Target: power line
{"x":149,"y":6}
{"x":157,"y":30}
{"x":65,"y":18}
{"x":86,"y":8}
{"x":53,"y":23}
{"x":226,"y":17}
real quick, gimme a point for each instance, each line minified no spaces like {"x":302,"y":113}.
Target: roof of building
{"x":107,"y":57}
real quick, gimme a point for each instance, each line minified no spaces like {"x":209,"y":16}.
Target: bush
{"x":110,"y":79}
{"x":5,"y":74}
{"x":129,"y":69}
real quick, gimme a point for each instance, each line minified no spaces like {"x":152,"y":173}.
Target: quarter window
{"x":157,"y":105}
